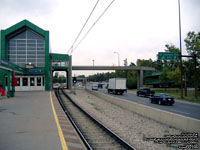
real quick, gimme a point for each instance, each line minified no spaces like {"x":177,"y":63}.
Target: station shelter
{"x":25,"y":58}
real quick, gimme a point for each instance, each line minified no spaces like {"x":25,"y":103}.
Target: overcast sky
{"x":136,"y":29}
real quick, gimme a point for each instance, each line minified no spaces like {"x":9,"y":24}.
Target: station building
{"x":25,"y":55}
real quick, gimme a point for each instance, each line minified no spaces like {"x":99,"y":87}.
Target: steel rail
{"x":71,"y":120}
{"x":112,"y":134}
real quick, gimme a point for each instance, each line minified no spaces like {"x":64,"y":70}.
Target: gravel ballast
{"x":130,"y":126}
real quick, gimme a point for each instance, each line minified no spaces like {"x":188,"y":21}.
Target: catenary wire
{"x":92,"y":26}
{"x":71,"y":49}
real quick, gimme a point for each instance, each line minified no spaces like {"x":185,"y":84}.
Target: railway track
{"x":93,"y":133}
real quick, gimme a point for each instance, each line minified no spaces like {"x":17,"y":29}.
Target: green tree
{"x":164,"y":77}
{"x":171,"y":48}
{"x":192,"y":43}
{"x":147,"y":63}
{"x":175,"y":77}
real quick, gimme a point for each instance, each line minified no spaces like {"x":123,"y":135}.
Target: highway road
{"x":181,"y":108}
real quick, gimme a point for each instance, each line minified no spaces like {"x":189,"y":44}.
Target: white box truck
{"x":117,"y":85}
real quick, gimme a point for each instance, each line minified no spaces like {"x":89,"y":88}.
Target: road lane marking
{"x":177,"y":111}
{"x":62,"y":139}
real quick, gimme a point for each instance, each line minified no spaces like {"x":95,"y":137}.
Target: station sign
{"x":168,"y":56}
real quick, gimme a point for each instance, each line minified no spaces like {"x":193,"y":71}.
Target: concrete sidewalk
{"x":27,"y":122}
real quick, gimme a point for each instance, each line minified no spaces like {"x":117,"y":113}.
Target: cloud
{"x":20,"y":7}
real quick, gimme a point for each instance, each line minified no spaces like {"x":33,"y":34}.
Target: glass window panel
{"x":20,"y":36}
{"x":31,"y":48}
{"x":32,"y":81}
{"x":31,"y":45}
{"x":40,"y":45}
{"x":21,"y":49}
{"x":31,"y":56}
{"x":25,"y":47}
{"x":21,"y":52}
{"x":12,"y":52}
{"x":40,"y":60}
{"x":12,"y":41}
{"x":12,"y":56}
{"x":31,"y":60}
{"x":31,"y":41}
{"x":24,"y":81}
{"x":21,"y":60}
{"x":40,"y":49}
{"x":12,"y":48}
{"x":21,"y":56}
{"x":12,"y":45}
{"x":21,"y":41}
{"x":21,"y":45}
{"x":40,"y":56}
{"x":40,"y":41}
{"x":12,"y":59}
{"x":38,"y":81}
{"x":40,"y":52}
{"x":32,"y":35}
{"x":18,"y":81}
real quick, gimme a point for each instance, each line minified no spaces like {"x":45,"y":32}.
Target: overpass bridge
{"x":139,"y":69}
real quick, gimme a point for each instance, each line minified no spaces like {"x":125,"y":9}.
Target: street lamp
{"x":118,"y":58}
{"x":181,"y":68}
{"x":93,"y":62}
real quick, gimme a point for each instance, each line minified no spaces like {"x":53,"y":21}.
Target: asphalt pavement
{"x":182,"y":108}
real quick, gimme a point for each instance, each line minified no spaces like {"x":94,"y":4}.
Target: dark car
{"x":145,"y":92}
{"x":162,"y":99}
{"x":94,"y":87}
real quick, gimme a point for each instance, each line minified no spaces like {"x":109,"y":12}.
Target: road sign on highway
{"x":168,"y":56}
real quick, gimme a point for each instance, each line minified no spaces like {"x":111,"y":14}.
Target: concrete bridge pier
{"x":139,"y":78}
{"x":69,"y":74}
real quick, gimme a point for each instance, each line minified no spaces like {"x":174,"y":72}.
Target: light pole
{"x":181,"y":68}
{"x":118,"y":58}
{"x":93,"y":62}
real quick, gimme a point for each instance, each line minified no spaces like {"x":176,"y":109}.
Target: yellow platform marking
{"x":62,"y":139}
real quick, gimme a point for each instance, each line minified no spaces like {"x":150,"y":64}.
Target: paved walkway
{"x":27,"y":122}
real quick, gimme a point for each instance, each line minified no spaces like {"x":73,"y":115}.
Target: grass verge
{"x":177,"y":94}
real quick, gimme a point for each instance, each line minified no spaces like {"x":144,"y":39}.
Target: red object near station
{"x":2,"y":92}
{"x":14,"y":80}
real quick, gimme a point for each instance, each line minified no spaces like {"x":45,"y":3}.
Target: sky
{"x":135,"y":29}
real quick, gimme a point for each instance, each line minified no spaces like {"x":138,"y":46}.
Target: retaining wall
{"x":178,"y":121}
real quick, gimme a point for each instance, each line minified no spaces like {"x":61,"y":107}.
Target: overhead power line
{"x":92,"y":26}
{"x":71,"y":49}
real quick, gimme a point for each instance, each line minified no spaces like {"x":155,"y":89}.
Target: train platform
{"x":35,"y":120}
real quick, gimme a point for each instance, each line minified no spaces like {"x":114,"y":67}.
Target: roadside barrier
{"x":174,"y":120}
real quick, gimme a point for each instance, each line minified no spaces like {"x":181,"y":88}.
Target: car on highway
{"x":94,"y":87}
{"x":162,"y":99}
{"x":146,"y":92}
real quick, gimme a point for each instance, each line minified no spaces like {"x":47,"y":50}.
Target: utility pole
{"x":125,"y":62}
{"x":118,"y":58}
{"x":195,"y":77}
{"x":181,"y":68}
{"x":93,"y":62}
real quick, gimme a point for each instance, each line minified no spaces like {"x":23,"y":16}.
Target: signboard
{"x":168,"y":56}
{"x":29,"y":66}
{"x":35,"y":71}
